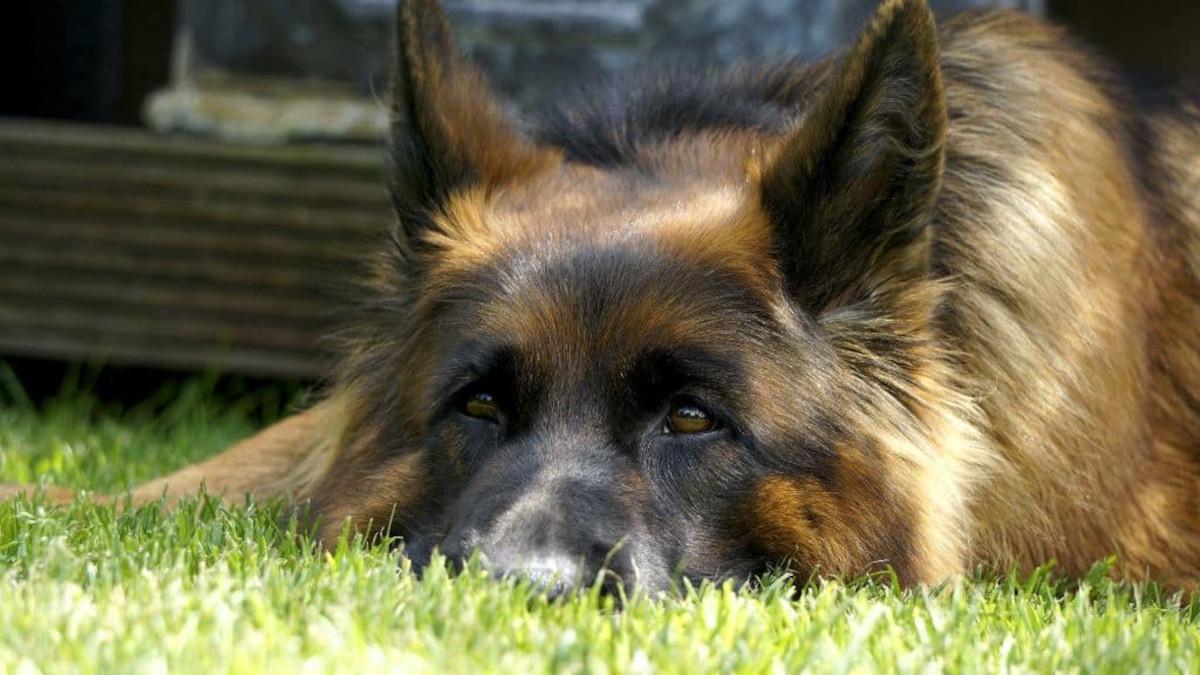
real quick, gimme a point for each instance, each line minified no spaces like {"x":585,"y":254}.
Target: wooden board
{"x":119,"y":245}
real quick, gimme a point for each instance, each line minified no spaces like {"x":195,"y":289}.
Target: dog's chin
{"x":417,"y":552}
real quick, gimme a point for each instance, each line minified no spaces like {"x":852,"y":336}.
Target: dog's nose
{"x":557,"y":574}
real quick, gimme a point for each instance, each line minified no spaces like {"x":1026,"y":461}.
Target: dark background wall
{"x":1159,"y":36}
{"x":529,"y":47}
{"x":84,"y":60}
{"x":97,"y":60}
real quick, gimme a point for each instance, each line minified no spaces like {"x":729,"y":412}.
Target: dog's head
{"x":712,"y":356}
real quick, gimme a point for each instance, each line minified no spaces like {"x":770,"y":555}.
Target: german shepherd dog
{"x":930,"y":304}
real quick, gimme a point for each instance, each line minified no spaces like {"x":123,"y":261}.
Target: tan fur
{"x":285,"y":460}
{"x":1023,"y":378}
{"x":1064,"y":376}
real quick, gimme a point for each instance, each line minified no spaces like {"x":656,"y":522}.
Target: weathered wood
{"x":120,"y":245}
{"x":180,"y":326}
{"x":61,"y":345}
{"x":170,"y":239}
{"x":48,"y":258}
{"x":48,"y":138}
{"x":195,"y":205}
{"x":234,"y":181}
{"x":151,"y":295}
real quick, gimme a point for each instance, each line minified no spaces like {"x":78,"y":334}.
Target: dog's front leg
{"x":283,"y":460}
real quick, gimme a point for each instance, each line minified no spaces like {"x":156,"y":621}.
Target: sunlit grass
{"x":210,"y":588}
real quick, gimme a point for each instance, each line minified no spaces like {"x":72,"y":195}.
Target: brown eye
{"x":689,"y":418}
{"x":482,"y":405}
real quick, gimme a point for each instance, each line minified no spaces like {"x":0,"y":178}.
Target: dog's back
{"x":1068,"y":232}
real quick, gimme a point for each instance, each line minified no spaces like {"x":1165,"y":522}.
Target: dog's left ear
{"x":448,"y":132}
{"x":851,"y":190}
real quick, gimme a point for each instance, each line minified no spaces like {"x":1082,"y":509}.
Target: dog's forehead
{"x":586,"y":204}
{"x":578,"y":210}
{"x":608,"y":260}
{"x":621,"y":295}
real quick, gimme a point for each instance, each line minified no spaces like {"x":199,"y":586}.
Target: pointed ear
{"x":447,"y":131}
{"x":850,"y":191}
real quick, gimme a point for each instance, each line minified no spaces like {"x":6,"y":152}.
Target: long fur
{"x":972,"y":260}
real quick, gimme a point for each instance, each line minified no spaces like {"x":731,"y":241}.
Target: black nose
{"x":556,"y":573}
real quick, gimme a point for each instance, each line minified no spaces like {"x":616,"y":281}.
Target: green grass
{"x":207,"y":588}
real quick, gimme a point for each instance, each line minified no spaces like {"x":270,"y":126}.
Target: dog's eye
{"x":685,"y":417}
{"x":482,"y":405}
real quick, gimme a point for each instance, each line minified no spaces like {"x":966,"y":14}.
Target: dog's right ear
{"x":448,"y":133}
{"x":851,"y":191}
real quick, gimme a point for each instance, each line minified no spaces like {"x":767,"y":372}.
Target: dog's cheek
{"x":377,"y":502}
{"x":452,"y":457}
{"x":853,"y":524}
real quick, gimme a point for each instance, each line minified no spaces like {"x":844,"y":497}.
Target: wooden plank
{"x":180,"y":326}
{"x":123,"y":246}
{"x":237,"y":183}
{"x":45,"y":137}
{"x":47,"y":258}
{"x":196,"y":208}
{"x":181,"y":242}
{"x":132,"y":351}
{"x":154,"y":295}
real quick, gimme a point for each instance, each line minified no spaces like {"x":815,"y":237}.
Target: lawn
{"x":210,"y":588}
